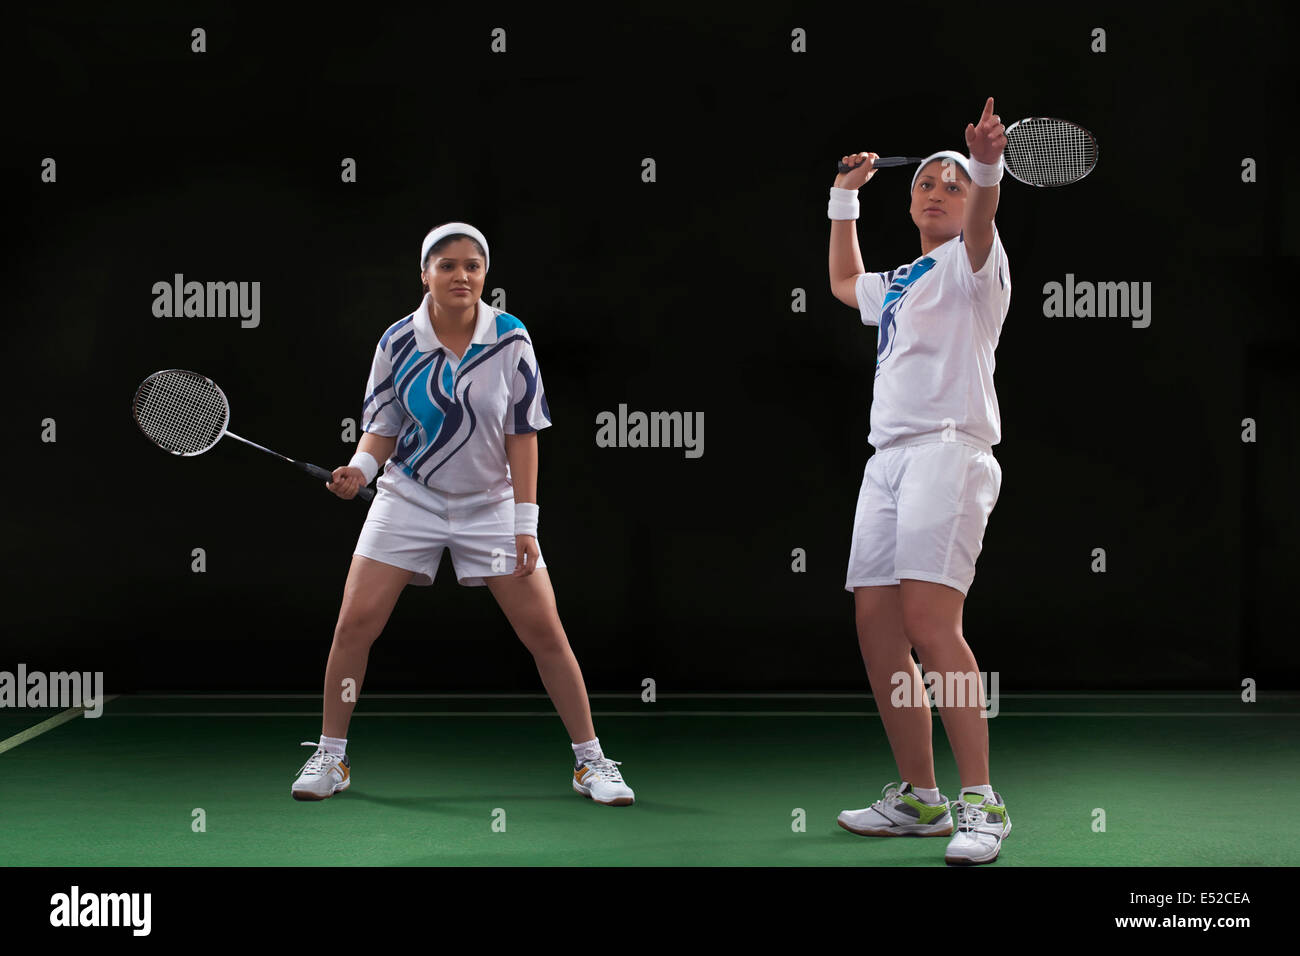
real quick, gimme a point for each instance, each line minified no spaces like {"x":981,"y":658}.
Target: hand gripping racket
{"x":1040,"y":151}
{"x":186,"y":413}
{"x":881,"y":163}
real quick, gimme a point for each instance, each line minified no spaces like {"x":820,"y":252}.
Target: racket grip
{"x":365,"y":494}
{"x":880,"y":163}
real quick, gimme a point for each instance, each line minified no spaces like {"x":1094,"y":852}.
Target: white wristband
{"x":366,"y":462}
{"x":985,"y":174}
{"x":843,"y":204}
{"x":526,"y":518}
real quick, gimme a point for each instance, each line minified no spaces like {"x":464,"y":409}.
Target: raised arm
{"x":985,"y":142}
{"x":845,"y":257}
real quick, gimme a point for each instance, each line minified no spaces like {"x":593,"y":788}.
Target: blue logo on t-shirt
{"x":901,"y":281}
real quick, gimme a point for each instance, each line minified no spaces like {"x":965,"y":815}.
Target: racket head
{"x":180,"y":411}
{"x":1046,"y":151}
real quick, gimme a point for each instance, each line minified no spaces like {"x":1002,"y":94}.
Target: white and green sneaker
{"x":899,"y":812}
{"x":982,"y":825}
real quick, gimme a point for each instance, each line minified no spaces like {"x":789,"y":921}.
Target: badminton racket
{"x":186,"y":413}
{"x":1040,"y":151}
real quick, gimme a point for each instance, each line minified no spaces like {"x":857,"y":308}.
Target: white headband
{"x":955,"y":156}
{"x":451,"y":229}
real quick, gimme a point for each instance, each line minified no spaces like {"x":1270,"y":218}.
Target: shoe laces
{"x":607,"y":769}
{"x":970,"y":816}
{"x":317,"y":762}
{"x":891,"y":793}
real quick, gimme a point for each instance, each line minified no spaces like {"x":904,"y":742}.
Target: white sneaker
{"x":982,"y":825}
{"x":323,"y":775}
{"x":601,"y":781}
{"x":899,"y":812}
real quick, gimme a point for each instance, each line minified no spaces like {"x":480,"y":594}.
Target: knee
{"x":883,"y":644}
{"x":545,"y":642}
{"x":929,"y":636}
{"x":544,"y":637}
{"x":355,"y":632}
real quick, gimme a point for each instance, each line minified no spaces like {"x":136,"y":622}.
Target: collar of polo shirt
{"x":485,"y":331}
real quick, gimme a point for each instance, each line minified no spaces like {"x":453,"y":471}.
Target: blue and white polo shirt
{"x":451,"y":415}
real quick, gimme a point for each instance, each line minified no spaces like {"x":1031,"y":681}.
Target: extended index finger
{"x":988,"y":110}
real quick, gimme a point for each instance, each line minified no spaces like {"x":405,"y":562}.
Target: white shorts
{"x":922,"y":511}
{"x":410,"y":524}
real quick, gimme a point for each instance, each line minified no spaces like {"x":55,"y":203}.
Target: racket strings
{"x":1050,"y":152}
{"x":181,"y":412}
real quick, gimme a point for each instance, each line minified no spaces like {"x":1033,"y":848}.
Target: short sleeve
{"x":992,"y":284}
{"x":381,"y":413}
{"x":528,"y":411}
{"x":870,"y":289}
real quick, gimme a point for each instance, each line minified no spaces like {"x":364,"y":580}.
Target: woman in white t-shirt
{"x":452,"y":410}
{"x":932,"y":482}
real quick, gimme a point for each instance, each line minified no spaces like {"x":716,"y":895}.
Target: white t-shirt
{"x":939,"y":324}
{"x":453,"y":414}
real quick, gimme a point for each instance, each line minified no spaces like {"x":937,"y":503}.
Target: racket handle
{"x":365,"y":494}
{"x":882,"y":163}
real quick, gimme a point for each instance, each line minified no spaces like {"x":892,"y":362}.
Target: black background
{"x":673,"y":295}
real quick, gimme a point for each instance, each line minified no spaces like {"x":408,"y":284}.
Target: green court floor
{"x":1183,"y":780}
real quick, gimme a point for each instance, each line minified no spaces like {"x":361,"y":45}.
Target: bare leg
{"x":369,"y":597}
{"x":932,"y":619}
{"x":886,"y":652}
{"x":528,"y":603}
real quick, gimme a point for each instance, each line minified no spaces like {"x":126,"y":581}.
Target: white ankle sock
{"x":587,"y":750}
{"x":928,"y":794}
{"x":334,"y":745}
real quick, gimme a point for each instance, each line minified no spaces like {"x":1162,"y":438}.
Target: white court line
{"x":36,"y":730}
{"x":664,"y":714}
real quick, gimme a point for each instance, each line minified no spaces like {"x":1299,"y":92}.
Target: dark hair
{"x":447,"y":240}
